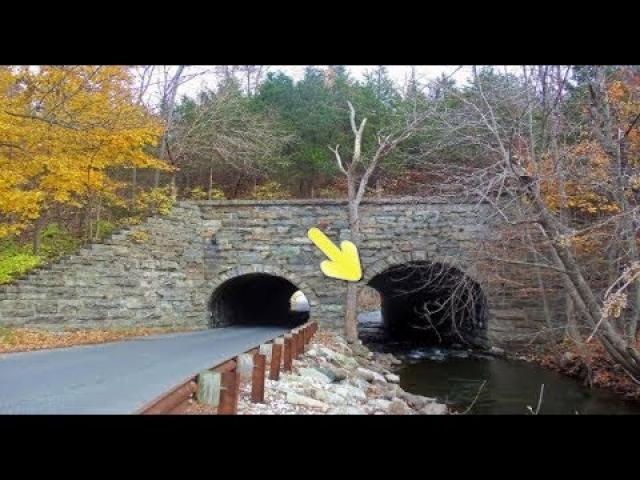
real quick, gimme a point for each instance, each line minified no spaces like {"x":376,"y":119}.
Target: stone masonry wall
{"x":155,"y":279}
{"x":166,"y":274}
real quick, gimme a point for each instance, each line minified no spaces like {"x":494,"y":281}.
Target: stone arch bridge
{"x":219,"y":262}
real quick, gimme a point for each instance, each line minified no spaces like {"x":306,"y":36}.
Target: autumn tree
{"x":63,"y":128}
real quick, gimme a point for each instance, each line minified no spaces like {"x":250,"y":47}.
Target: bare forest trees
{"x":558,"y":165}
{"x":219,"y":134}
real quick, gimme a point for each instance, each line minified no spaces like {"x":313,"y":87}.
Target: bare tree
{"x":222,"y":133}
{"x":358,"y":171}
{"x":170,"y":84}
{"x":497,"y":122}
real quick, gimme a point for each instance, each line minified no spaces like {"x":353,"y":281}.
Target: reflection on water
{"x":456,"y":376}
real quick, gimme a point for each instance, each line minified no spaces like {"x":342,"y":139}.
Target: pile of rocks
{"x":333,"y":377}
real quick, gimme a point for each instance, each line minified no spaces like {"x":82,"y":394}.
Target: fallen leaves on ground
{"x":25,"y":339}
{"x":591,"y":364}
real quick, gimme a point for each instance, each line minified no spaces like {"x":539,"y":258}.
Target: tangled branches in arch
{"x":432,"y":302}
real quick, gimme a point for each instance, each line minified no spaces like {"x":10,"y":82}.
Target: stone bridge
{"x":220,"y":262}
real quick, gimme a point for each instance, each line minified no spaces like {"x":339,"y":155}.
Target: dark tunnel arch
{"x":431,"y":303}
{"x":255,"y":299}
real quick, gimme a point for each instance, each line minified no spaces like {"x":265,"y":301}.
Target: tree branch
{"x":338,"y":159}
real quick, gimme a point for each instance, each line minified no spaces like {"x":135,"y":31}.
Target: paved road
{"x":119,"y":377}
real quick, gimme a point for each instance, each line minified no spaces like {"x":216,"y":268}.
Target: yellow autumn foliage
{"x":61,"y":129}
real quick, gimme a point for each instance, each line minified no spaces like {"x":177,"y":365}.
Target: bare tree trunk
{"x":543,"y":291}
{"x":37,"y":234}
{"x":236,"y":186}
{"x":210,"y":189}
{"x":606,"y":132}
{"x":356,"y":187}
{"x":98,"y":208}
{"x":351,"y":306}
{"x":168,"y":104}
{"x":134,"y":186}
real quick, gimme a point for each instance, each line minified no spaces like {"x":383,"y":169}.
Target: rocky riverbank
{"x":335,"y":378}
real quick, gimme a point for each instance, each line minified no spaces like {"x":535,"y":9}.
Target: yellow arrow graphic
{"x":343,"y":263}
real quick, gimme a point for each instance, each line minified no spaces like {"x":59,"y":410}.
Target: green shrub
{"x":104,"y":228}
{"x":155,"y":201}
{"x":13,"y":263}
{"x":56,"y":242}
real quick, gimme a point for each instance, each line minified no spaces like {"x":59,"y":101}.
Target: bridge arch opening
{"x":431,"y":303}
{"x":255,"y":299}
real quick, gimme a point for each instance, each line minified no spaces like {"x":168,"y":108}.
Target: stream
{"x":456,"y":377}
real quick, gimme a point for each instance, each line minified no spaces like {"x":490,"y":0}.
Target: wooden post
{"x":209,"y":388}
{"x":296,"y":344}
{"x":287,"y":353}
{"x":229,"y":393}
{"x":303,"y":339}
{"x":257,"y":378}
{"x":276,"y":358}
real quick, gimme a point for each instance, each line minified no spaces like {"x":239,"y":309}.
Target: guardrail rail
{"x":284,"y":349}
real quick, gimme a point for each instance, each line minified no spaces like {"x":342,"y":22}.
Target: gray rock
{"x":296,"y":382}
{"x":414,"y":401}
{"x":314,"y":374}
{"x":336,"y":374}
{"x":344,"y":361}
{"x":349,"y":392}
{"x":398,"y":407}
{"x":392,"y":391}
{"x":394,"y":360}
{"x":380,"y":404}
{"x":370,"y":375}
{"x":434,"y":408}
{"x":392,"y":377}
{"x":328,"y":397}
{"x":359,"y":382}
{"x":347,"y":410}
{"x":361,"y":351}
{"x":297,"y":399}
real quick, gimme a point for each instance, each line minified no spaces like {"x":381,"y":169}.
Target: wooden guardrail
{"x":283,"y":352}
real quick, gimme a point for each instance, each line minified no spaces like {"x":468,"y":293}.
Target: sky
{"x":398,"y":73}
